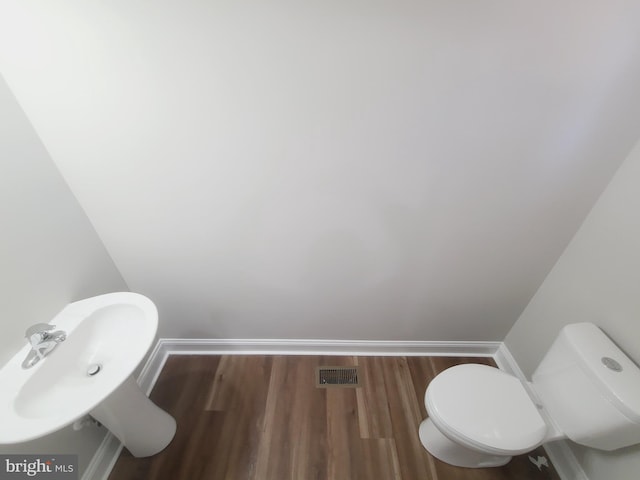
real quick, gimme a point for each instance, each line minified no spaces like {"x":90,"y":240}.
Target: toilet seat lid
{"x":488,"y":408}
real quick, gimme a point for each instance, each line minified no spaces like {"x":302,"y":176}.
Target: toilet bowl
{"x":479,"y":416}
{"x":585,"y":389}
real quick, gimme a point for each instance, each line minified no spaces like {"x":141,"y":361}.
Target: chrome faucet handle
{"x":38,"y":332}
{"x":42,"y":342}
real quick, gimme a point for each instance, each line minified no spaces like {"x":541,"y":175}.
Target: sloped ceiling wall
{"x":363,"y":169}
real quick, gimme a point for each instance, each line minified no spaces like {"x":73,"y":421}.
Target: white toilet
{"x":585,"y":389}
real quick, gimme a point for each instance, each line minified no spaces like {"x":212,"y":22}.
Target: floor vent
{"x":337,"y":377}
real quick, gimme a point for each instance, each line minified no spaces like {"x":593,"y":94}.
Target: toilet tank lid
{"x":615,"y":374}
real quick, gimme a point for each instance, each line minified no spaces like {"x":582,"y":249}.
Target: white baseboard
{"x":104,"y":459}
{"x":196,"y":346}
{"x":559,"y":451}
{"x":152,"y":368}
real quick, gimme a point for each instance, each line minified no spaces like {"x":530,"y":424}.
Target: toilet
{"x":585,"y":389}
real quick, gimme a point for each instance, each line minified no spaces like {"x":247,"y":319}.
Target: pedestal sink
{"x":89,"y":373}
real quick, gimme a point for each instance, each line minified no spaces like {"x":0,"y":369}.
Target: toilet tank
{"x":590,"y":388}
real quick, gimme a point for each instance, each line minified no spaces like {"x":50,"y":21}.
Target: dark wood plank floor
{"x":256,"y":417}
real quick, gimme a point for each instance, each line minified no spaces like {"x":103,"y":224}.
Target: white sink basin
{"x":112,"y":332}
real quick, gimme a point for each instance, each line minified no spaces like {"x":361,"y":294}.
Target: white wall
{"x":49,"y":256}
{"x":597,"y":279}
{"x":364,"y":169}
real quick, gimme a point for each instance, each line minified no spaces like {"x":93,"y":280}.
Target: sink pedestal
{"x":142,"y":427}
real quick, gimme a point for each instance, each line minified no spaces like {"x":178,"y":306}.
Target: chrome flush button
{"x":611,"y":364}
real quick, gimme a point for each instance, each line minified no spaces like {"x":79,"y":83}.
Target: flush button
{"x":611,"y":364}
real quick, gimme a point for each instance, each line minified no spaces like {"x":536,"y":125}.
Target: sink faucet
{"x":42,"y":341}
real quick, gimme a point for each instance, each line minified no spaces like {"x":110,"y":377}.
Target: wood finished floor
{"x":262,"y":418}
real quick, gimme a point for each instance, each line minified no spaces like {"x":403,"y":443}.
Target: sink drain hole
{"x":94,"y":369}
